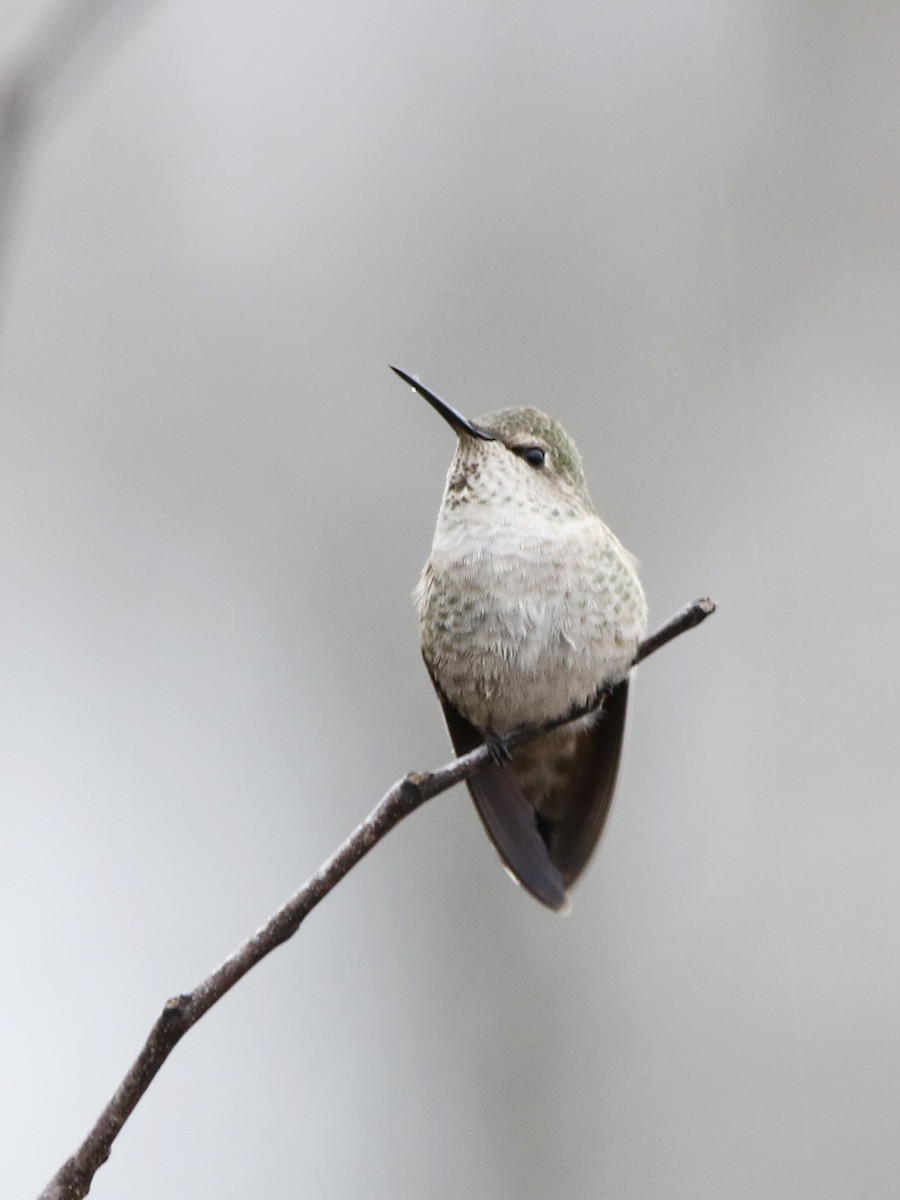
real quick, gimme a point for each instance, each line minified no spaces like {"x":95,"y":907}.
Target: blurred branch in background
{"x":73,"y":1180}
{"x":53,"y":55}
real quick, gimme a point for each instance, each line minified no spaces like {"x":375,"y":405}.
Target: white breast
{"x":521,"y":622}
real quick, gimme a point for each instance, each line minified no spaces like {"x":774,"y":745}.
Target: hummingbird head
{"x":515,"y":457}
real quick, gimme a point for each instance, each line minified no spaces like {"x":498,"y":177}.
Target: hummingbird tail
{"x":507,"y":816}
{"x":573,"y":836}
{"x":512,"y":826}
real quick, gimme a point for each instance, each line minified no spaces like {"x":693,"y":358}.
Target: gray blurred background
{"x":676,"y":227}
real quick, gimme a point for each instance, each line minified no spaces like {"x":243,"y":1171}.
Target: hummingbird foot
{"x":497,"y":748}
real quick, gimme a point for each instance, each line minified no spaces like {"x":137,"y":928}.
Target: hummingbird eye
{"x":535,"y":456}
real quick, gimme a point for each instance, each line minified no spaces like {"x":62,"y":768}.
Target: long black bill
{"x":454,"y":419}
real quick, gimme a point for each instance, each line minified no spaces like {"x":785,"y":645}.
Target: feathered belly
{"x":511,"y":641}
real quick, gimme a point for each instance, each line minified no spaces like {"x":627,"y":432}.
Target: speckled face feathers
{"x":519,"y":428}
{"x":498,"y":472}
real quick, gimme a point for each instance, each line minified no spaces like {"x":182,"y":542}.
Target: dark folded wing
{"x":507,"y":816}
{"x":573,"y":838}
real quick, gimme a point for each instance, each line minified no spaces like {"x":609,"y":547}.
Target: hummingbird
{"x":529,"y":608}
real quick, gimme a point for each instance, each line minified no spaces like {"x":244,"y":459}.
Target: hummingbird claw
{"x":497,"y":748}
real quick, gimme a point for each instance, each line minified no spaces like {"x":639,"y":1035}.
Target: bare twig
{"x":689,"y":617}
{"x":73,"y":1179}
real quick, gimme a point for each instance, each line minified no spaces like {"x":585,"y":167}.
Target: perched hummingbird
{"x":528,"y":607}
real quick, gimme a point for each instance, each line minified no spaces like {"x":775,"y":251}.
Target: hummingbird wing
{"x":572,"y":838}
{"x":507,"y":816}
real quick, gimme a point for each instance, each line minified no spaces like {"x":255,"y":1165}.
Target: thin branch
{"x":73,"y":1179}
{"x":689,"y":617}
